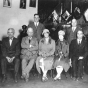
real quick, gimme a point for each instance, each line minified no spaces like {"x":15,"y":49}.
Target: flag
{"x":77,"y":12}
{"x":66,"y":15}
{"x":86,"y":15}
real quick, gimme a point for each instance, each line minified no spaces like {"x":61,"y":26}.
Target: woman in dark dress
{"x":61,"y":55}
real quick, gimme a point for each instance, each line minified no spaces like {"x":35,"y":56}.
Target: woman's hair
{"x":48,"y":41}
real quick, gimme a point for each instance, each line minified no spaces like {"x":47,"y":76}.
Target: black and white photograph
{"x":32,"y":3}
{"x":23,"y":4}
{"x":7,"y":3}
{"x":44,"y":44}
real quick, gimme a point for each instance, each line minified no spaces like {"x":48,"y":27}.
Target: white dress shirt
{"x":10,"y":41}
{"x":79,"y":41}
{"x":36,"y":23}
{"x":73,"y":29}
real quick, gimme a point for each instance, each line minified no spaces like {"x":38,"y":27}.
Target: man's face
{"x":74,"y":23}
{"x":79,"y":34}
{"x":36,"y":18}
{"x":30,"y":32}
{"x":10,"y":33}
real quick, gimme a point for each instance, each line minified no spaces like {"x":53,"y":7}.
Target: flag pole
{"x":71,"y":6}
{"x":60,"y":14}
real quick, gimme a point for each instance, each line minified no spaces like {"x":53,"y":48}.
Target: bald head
{"x":30,"y":32}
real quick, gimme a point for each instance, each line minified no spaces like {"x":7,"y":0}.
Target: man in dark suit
{"x":78,"y":52}
{"x":10,"y":53}
{"x":72,"y":31}
{"x":37,"y":27}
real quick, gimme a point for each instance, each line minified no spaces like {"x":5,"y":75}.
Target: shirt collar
{"x":30,"y":38}
{"x":36,"y":23}
{"x":10,"y":38}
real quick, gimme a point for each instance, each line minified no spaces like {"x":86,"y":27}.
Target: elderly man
{"x":10,"y":53}
{"x":78,"y":52}
{"x":29,"y":52}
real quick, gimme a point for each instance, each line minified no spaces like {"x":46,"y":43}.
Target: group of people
{"x":44,"y":51}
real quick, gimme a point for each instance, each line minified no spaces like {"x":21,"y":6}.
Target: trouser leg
{"x":24,"y":64}
{"x":16,"y":65}
{"x":80,"y":68}
{"x":4,"y":65}
{"x":74,"y":68}
{"x":29,"y":67}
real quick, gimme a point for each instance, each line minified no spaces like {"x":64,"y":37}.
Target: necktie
{"x":73,"y":29}
{"x":29,"y":40}
{"x":79,"y":41}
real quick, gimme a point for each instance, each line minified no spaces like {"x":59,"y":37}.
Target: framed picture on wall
{"x":23,"y":4}
{"x":7,"y":3}
{"x":32,"y":3}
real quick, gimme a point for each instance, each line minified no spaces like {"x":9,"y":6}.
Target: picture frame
{"x":23,"y":4}
{"x":32,"y":3}
{"x":7,"y":3}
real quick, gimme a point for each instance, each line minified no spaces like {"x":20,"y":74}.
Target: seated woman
{"x":61,"y":55}
{"x":46,"y":54}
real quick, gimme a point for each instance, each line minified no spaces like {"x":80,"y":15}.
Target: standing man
{"x":72,"y":31}
{"x":78,"y":52}
{"x":37,"y":27}
{"x":29,"y":53}
{"x":10,"y":53}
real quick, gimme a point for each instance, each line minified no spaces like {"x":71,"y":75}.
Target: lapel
{"x":37,"y":26}
{"x":31,"y":42}
{"x":74,"y":30}
{"x":8,"y":43}
{"x":81,"y":44}
{"x":12,"y":42}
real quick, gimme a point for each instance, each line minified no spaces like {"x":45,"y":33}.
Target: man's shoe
{"x":15,"y":78}
{"x":77,"y":79}
{"x":57,"y":78}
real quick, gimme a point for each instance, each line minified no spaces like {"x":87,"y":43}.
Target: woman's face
{"x":61,"y":37}
{"x":46,"y":35}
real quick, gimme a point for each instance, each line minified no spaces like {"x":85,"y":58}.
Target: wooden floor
{"x":35,"y":82}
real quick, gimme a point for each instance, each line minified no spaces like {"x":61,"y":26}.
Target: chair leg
{"x":52,"y":73}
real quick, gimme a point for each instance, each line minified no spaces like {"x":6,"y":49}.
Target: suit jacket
{"x":77,"y":50}
{"x":70,"y":35}
{"x":26,"y":50}
{"x":37,"y":30}
{"x":10,"y":51}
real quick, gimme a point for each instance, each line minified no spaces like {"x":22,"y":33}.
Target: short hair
{"x":36,"y":14}
{"x":11,"y":29}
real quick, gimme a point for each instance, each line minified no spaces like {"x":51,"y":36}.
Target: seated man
{"x":29,"y":52}
{"x":78,"y":52}
{"x":10,"y":53}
